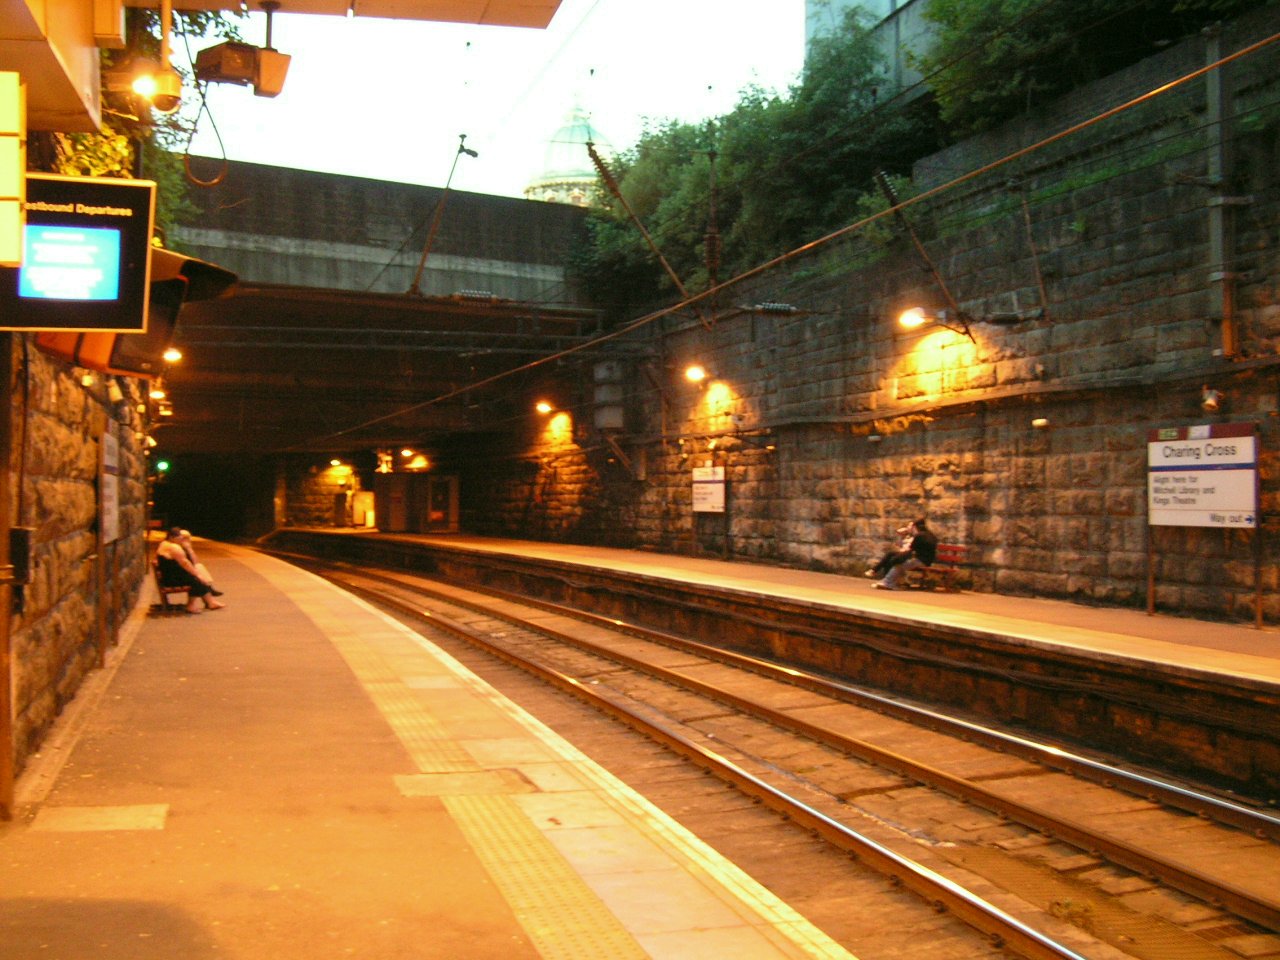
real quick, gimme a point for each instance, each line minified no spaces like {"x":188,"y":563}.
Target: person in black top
{"x":176,"y":570}
{"x":924,"y":550}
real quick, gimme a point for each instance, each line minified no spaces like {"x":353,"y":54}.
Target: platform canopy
{"x":53,"y":44}
{"x":489,"y":13}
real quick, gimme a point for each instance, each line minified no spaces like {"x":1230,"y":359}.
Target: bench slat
{"x":943,"y":570}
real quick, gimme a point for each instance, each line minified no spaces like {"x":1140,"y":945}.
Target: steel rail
{"x":1235,"y":899}
{"x":1230,"y":813}
{"x":1002,"y":928}
{"x":1229,"y":896}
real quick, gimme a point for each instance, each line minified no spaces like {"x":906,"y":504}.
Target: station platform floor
{"x":298,"y":775}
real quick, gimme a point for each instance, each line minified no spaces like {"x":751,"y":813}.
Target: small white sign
{"x":109,"y":487}
{"x":708,"y":489}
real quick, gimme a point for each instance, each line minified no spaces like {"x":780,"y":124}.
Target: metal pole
{"x":438,"y":213}
{"x":7,"y":745}
{"x":1151,"y":571}
{"x":612,"y":184}
{"x":1220,"y":171}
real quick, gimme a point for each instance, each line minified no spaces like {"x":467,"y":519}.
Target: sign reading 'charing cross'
{"x":1203,"y":476}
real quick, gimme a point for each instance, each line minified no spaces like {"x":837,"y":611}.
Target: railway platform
{"x":1227,"y":648}
{"x":299,"y":775}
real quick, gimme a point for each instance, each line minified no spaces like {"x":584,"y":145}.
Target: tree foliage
{"x":789,"y":169}
{"x":996,"y":59}
{"x":135,"y":143}
{"x":786,"y":170}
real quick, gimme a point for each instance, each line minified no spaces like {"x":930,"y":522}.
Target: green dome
{"x":566,"y":157}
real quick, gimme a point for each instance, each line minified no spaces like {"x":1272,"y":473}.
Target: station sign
{"x":86,"y":256}
{"x":708,"y":490}
{"x":1203,"y":476}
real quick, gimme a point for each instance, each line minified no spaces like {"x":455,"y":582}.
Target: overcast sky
{"x":387,"y":99}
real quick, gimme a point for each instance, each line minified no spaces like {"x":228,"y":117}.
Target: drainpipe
{"x":1220,"y":170}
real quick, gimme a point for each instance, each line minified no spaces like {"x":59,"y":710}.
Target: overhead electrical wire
{"x":822,"y":241}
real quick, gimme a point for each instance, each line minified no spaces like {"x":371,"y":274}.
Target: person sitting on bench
{"x":176,"y":570}
{"x":893,"y":556}
{"x":924,"y":550}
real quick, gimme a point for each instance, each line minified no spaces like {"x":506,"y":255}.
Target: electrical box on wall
{"x":22,"y":554}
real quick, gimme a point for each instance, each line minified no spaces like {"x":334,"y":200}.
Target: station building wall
{"x":832,"y":426}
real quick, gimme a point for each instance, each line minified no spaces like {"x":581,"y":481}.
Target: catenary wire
{"x":812,"y":245}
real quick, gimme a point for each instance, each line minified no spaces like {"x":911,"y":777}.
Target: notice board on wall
{"x":708,"y":490}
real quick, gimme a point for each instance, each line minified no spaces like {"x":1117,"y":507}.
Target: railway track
{"x":1072,"y":855}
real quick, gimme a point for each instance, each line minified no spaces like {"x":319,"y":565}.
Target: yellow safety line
{"x":562,"y":915}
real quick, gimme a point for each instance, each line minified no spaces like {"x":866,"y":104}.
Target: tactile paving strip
{"x":428,"y":743}
{"x":562,"y":915}
{"x":564,"y":918}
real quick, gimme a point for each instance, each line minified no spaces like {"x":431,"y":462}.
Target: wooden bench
{"x":166,"y":592}
{"x":941,"y":574}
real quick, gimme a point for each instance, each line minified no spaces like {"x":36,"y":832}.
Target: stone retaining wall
{"x":57,"y":422}
{"x":833,"y":426}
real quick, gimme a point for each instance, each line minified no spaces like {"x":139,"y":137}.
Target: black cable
{"x":838,"y":234}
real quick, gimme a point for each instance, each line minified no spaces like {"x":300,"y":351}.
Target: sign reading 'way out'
{"x":1203,"y":476}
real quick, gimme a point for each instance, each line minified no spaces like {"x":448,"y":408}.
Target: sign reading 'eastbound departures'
{"x":86,"y":256}
{"x":1203,"y":476}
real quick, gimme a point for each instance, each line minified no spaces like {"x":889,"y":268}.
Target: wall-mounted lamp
{"x":915,"y":318}
{"x":157,"y":391}
{"x":544,"y":407}
{"x":697,"y":373}
{"x":958,"y":321}
{"x":1040,"y":423}
{"x":1210,"y":399}
{"x":874,"y":438}
{"x":156,"y":82}
{"x":172,"y":355}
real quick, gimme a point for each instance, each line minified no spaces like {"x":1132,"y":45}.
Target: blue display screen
{"x":70,"y":263}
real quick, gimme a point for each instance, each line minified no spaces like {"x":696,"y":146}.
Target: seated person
{"x":894,"y":556}
{"x":924,"y":550}
{"x":176,"y":570}
{"x":201,"y":570}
